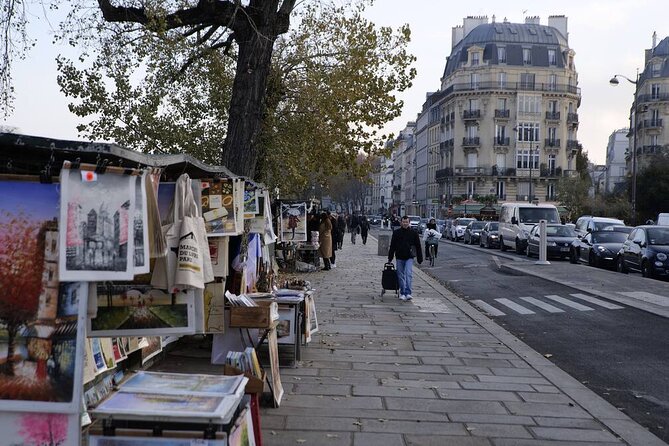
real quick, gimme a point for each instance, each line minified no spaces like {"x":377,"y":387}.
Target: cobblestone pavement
{"x":433,"y":371}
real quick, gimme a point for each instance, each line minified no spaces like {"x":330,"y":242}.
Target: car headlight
{"x":661,"y":256}
{"x":551,"y":244}
{"x":602,"y":249}
{"x":523,"y":233}
{"x":493,"y":236}
{"x":659,"y":264}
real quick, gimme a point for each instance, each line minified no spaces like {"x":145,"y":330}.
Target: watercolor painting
{"x":41,"y":331}
{"x":180,"y":383}
{"x":122,"y":404}
{"x":214,"y":308}
{"x":242,"y":434}
{"x":39,"y":429}
{"x":127,"y":309}
{"x":96,"y":224}
{"x":293,"y":222}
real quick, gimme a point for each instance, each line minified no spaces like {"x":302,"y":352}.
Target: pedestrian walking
{"x":325,"y":240}
{"x":334,"y":233}
{"x":405,"y":246}
{"x":341,"y":226}
{"x":355,"y":227}
{"x":364,"y":229}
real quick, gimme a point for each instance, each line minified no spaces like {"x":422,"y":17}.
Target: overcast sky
{"x":608,"y":36}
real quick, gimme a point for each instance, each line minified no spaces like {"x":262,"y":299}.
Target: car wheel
{"x":519,"y":250}
{"x":502,"y":246}
{"x":573,"y":257}
{"x":592,"y":260}
{"x":620,"y":265}
{"x":646,"y":269}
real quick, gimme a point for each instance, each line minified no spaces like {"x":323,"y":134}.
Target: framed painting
{"x":293,"y":222}
{"x":285,"y":328}
{"x":179,"y":383}
{"x":144,"y":438}
{"x":128,"y":309}
{"x":40,"y":428}
{"x":96,"y":221}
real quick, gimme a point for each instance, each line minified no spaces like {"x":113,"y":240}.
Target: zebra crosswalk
{"x":531,"y":305}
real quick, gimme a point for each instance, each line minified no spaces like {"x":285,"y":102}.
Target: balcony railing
{"x":572,"y":118}
{"x":470,"y":171}
{"x":442,"y":175}
{"x":513,"y":86}
{"x":450,"y":142}
{"x":552,"y":116}
{"x":657,"y":97}
{"x":502,"y":114}
{"x":552,"y":142}
{"x":550,"y":172}
{"x":650,"y":123}
{"x":503,"y":171}
{"x":471,"y":142}
{"x":471,"y":114}
{"x":652,"y":149}
{"x":570,"y":173}
{"x":573,"y":144}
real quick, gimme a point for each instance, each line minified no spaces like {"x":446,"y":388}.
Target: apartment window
{"x":622,"y":171}
{"x":476,"y":58}
{"x":655,"y":117}
{"x":501,"y":54}
{"x":528,"y":103}
{"x":472,"y":131}
{"x":527,"y":56}
{"x":501,"y":103}
{"x":655,"y":91}
{"x":552,"y":57}
{"x":552,"y":134}
{"x":501,"y":189}
{"x":654,"y":141}
{"x":501,"y":161}
{"x":524,"y":188}
{"x":528,"y":132}
{"x":500,"y":132}
{"x":552,"y":82}
{"x":527,"y":80}
{"x":551,"y":163}
{"x":553,"y":106}
{"x":501,"y":79}
{"x":474,"y":79}
{"x":570,"y":107}
{"x":471,"y":188}
{"x":472,"y":160}
{"x":473,"y":104}
{"x":527,"y":158}
{"x":657,"y":67}
{"x":550,"y":191}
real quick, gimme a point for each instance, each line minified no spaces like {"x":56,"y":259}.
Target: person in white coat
{"x":431,"y":237}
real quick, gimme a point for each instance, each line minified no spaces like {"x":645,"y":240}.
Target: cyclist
{"x":431,"y":237}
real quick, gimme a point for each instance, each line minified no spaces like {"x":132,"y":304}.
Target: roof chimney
{"x":559,"y":22}
{"x":457,"y":34}
{"x":654,"y":40}
{"x":533,"y":20}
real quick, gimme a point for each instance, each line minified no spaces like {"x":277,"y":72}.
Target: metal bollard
{"x":542,"y":244}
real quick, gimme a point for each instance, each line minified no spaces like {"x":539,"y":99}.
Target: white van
{"x":516,"y":221}
{"x":663,"y":219}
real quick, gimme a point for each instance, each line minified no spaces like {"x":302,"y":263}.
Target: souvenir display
{"x":152,"y":346}
{"x":220,"y":206}
{"x":176,"y":383}
{"x":293,"y":222}
{"x":142,"y":252}
{"x":251,"y":205}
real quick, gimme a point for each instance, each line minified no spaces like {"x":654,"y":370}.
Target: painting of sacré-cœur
{"x":41,"y":319}
{"x":96,"y":217}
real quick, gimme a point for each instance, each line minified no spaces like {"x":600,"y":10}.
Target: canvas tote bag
{"x":194,"y":267}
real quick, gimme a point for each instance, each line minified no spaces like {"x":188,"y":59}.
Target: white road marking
{"x":514,"y":306}
{"x":595,"y":301}
{"x":569,"y":303}
{"x":647,"y":297}
{"x":546,"y":306}
{"x":497,"y":261}
{"x":487,"y":309}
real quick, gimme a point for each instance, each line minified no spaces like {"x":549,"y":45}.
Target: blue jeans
{"x":404,"y":274}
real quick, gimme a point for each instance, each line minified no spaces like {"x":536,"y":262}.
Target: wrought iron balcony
{"x":650,"y":124}
{"x":549,"y":142}
{"x":572,"y":118}
{"x":470,"y":171}
{"x":501,"y":141}
{"x":513,"y":86}
{"x":552,"y":116}
{"x":652,"y":149}
{"x":573,"y":144}
{"x":550,"y":172}
{"x":441,"y":175}
{"x":657,"y":97}
{"x":471,"y":114}
{"x":502,"y":114}
{"x":503,"y":172}
{"x":471,"y":142}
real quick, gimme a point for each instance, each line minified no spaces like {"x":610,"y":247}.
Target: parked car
{"x":441,"y":225}
{"x":588,"y":223}
{"x":490,"y":235}
{"x":647,"y":250}
{"x":558,"y":241}
{"x":447,"y":228}
{"x":662,"y":219}
{"x":375,"y":220}
{"x":598,"y":248}
{"x":516,"y":220}
{"x":473,"y":232}
{"x":414,"y":222}
{"x":458,"y":228}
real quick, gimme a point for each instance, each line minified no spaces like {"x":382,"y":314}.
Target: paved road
{"x":618,"y":351}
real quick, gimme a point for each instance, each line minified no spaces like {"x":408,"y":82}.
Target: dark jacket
{"x":400,"y":245}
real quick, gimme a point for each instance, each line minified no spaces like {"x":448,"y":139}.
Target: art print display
{"x":108,"y":352}
{"x":142,"y":252}
{"x":242,"y":433}
{"x":293,"y":222}
{"x":285,"y":328}
{"x":178,"y":383}
{"x":98,"y":356}
{"x":220,"y":206}
{"x":128,"y":309}
{"x":214,"y":308}
{"x":165,"y":440}
{"x":251,"y":205}
{"x":41,"y":319}
{"x":37,"y":429}
{"x":277,"y":387}
{"x":96,"y":220}
{"x":313,"y":319}
{"x":218,"y":250}
{"x":151,"y":346}
{"x":166,"y":199}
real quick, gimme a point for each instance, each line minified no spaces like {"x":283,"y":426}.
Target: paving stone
{"x":400,"y":367}
{"x":490,"y":363}
{"x":397,"y":391}
{"x":446,"y":406}
{"x":428,"y":440}
{"x":343,"y":374}
{"x":497,"y":386}
{"x":421,"y":384}
{"x":480,"y":395}
{"x":377,"y":439}
{"x":498,"y":418}
{"x":378,"y":414}
{"x":567,"y":434}
{"x":515,"y":371}
{"x":322,"y":389}
{"x":301,"y":437}
{"x":512,"y":379}
{"x":580,"y":423}
{"x":465,"y":370}
{"x":522,"y":442}
{"x":548,"y":410}
{"x":436,"y":377}
{"x":332,"y":401}
{"x":322,"y":423}
{"x":269,"y":421}
{"x":535,"y":397}
{"x":413,"y":427}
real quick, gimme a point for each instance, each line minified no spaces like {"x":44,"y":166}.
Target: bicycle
{"x":431,"y":253}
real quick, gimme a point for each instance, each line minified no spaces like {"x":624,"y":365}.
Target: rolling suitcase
{"x":389,"y":280}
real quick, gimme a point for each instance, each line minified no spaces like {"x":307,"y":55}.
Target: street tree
{"x":572,"y":192}
{"x":21,"y":266}
{"x":652,"y":186}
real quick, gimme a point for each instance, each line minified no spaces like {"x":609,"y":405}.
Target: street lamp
{"x":614,"y":81}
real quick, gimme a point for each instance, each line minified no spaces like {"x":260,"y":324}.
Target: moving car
{"x":559,"y":239}
{"x":588,"y":223}
{"x":375,"y":220}
{"x":598,"y":248}
{"x":414,"y":222}
{"x":517,"y":219}
{"x":490,"y":235}
{"x":473,"y":232}
{"x":647,"y":250}
{"x":458,"y":228}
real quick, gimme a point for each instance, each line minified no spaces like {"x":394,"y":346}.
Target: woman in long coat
{"x":325,"y":240}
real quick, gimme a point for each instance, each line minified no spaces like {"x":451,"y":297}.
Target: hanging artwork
{"x":251,"y":205}
{"x":142,"y":253}
{"x":96,"y":221}
{"x":152,"y":347}
{"x":127,"y":309}
{"x":218,"y":249}
{"x":220,"y":206}
{"x":214,"y":308}
{"x":42,"y":346}
{"x":258,"y":220}
{"x":40,"y":429}
{"x":293,"y":222}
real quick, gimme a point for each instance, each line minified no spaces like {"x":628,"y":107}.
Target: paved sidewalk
{"x":433,"y":371}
